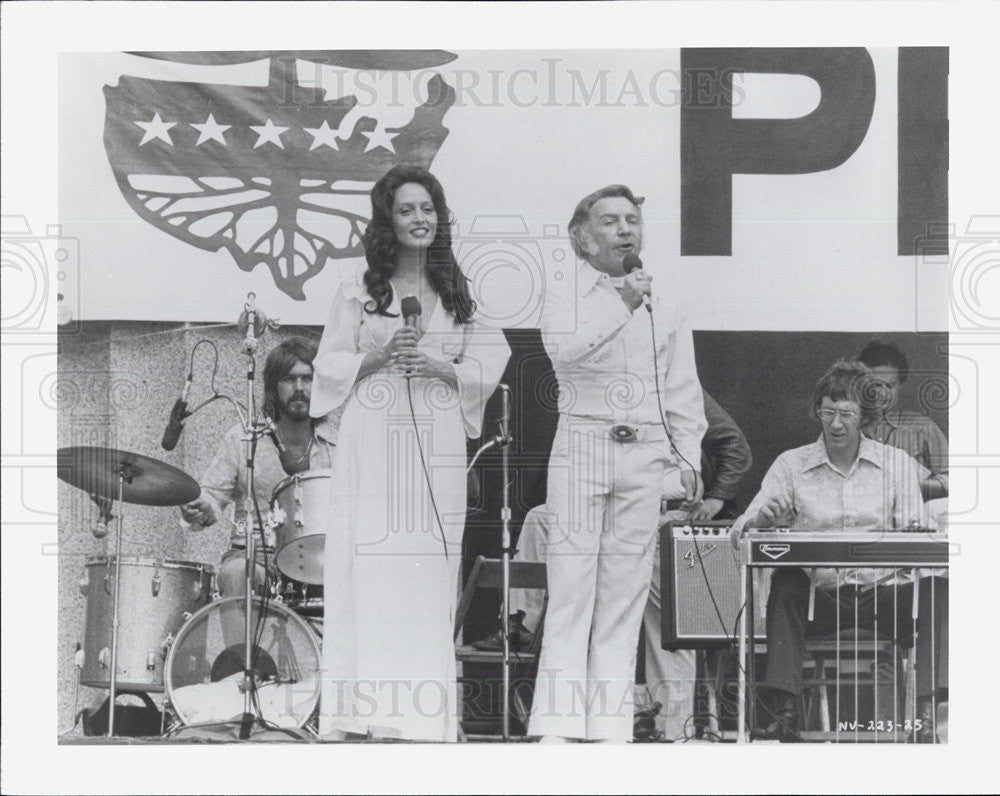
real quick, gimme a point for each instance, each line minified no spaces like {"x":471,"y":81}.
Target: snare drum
{"x":204,"y":674}
{"x":303,"y":598}
{"x":157,"y":596}
{"x":299,"y":513}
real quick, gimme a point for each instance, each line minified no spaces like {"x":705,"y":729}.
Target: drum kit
{"x":158,"y":625}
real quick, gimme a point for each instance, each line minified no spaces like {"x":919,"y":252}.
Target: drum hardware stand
{"x":78,"y":663}
{"x":124,"y":474}
{"x":503,"y":440}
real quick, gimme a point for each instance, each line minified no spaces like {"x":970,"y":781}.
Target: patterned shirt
{"x":919,"y":436}
{"x":881,"y":491}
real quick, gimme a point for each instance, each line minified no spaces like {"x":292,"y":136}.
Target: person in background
{"x":725,"y":461}
{"x":288,"y":376}
{"x":913,"y":432}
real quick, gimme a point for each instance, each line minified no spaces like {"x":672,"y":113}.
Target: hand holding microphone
{"x":403,"y":346}
{"x":637,"y":288}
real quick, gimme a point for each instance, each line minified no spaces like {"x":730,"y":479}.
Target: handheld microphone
{"x":630,"y":263}
{"x":410,"y":307}
{"x":175,"y":424}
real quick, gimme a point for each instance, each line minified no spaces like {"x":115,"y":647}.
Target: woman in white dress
{"x":393,"y":548}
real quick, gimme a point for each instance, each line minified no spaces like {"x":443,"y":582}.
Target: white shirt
{"x":602,"y":356}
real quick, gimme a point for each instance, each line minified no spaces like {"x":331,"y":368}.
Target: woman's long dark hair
{"x":380,"y":247}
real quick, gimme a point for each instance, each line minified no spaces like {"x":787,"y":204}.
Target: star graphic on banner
{"x":379,"y":137}
{"x":322,"y":135}
{"x":268,"y":133}
{"x":211,"y":130}
{"x":156,"y":129}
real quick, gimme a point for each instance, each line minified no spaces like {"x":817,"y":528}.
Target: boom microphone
{"x":248,"y":323}
{"x":175,"y":424}
{"x":632,"y":262}
{"x":289,"y":463}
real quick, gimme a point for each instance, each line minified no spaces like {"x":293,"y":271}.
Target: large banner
{"x":773,"y":176}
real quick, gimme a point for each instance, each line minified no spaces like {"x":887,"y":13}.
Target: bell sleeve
{"x":336,"y":366}
{"x":478,"y":371}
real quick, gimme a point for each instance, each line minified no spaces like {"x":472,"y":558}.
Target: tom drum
{"x":157,"y":597}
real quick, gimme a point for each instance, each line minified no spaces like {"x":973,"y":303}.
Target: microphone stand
{"x":253,"y":429}
{"x":503,"y":440}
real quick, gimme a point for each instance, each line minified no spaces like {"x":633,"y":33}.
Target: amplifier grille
{"x":697,"y":563}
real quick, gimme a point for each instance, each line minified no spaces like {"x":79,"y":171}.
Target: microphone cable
{"x":423,"y":464}
{"x":659,"y":402}
{"x":410,"y":309}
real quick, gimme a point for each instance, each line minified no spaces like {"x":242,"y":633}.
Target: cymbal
{"x":148,"y":482}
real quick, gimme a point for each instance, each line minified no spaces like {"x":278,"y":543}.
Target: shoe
{"x":927,"y":710}
{"x":781,"y":712}
{"x":554,"y":739}
{"x":520,"y":636}
{"x":644,"y":724}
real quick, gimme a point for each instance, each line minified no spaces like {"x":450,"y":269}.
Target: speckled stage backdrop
{"x":117,"y":382}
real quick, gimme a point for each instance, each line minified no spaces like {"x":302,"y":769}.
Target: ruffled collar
{"x":352,"y":280}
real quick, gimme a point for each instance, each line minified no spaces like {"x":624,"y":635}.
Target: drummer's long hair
{"x":443,"y":272}
{"x":283,"y":357}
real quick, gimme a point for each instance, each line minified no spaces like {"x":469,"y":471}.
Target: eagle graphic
{"x":266,"y":172}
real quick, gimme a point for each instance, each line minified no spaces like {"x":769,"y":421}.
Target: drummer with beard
{"x":308,"y":444}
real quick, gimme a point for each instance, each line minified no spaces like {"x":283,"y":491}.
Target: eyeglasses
{"x":845,"y":415}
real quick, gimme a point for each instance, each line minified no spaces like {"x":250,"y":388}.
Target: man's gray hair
{"x":582,"y":212}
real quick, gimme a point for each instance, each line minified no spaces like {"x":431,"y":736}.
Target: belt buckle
{"x":624,"y":433}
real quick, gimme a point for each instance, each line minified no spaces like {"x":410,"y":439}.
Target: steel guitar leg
{"x":741,"y":681}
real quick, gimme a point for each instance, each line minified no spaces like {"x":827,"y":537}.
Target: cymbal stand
{"x":503,"y":440}
{"x":123,"y":476}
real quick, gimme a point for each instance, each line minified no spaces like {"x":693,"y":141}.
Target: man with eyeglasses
{"x":843,"y":481}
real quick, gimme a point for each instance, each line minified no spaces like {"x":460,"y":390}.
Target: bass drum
{"x":204,"y":668}
{"x":157,"y":596}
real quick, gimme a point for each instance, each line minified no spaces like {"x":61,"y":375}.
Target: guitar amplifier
{"x":700,"y":589}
